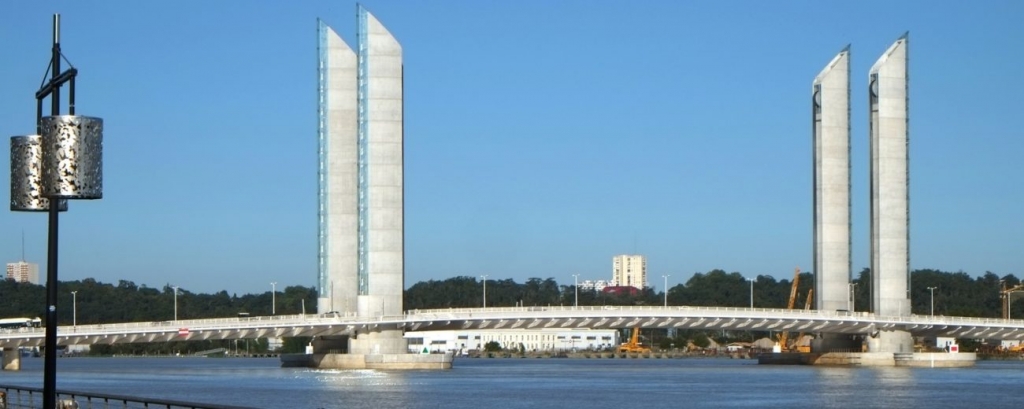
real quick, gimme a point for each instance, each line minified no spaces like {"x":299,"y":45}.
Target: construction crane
{"x":800,"y":338}
{"x":1005,"y":293}
{"x":784,"y":335}
{"x":634,"y":343}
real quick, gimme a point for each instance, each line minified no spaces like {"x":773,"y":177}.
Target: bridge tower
{"x":361,"y":183}
{"x":890,"y":197}
{"x":831,"y":133}
{"x":830,"y":102}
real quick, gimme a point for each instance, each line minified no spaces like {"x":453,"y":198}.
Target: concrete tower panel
{"x":382,"y":59}
{"x":890,"y":212}
{"x":831,"y":140}
{"x":337,"y":179}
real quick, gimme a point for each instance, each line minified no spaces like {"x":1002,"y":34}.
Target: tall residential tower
{"x":629,"y":271}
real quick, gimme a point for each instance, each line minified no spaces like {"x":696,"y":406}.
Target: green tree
{"x":492,"y":346}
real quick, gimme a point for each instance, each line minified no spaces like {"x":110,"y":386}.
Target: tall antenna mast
{"x":22,"y":244}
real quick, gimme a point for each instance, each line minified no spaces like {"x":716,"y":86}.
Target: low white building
{"x":549,"y":339}
{"x":594,"y":285}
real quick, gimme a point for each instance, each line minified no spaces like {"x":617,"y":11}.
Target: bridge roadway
{"x":508,"y":318}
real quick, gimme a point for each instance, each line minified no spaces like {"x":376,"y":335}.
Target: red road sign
{"x":183,"y":331}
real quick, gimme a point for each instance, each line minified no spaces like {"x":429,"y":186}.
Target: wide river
{"x":538,"y":383}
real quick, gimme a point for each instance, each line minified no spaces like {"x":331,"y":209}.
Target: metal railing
{"x":19,"y":397}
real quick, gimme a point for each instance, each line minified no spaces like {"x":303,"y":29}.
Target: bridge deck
{"x":711,"y":318}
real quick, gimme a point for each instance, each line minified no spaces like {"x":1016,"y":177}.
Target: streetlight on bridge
{"x":666,"y":288}
{"x":576,"y":287}
{"x":751,"y":292}
{"x":932,"y":290}
{"x":853,"y":297}
{"x":74,"y":309}
{"x":175,"y":303}
{"x":484,"y":277}
{"x":273,"y":298}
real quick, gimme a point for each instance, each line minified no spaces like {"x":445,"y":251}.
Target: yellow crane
{"x":1005,"y":294}
{"x":634,"y":343}
{"x":800,"y":338}
{"x":783,"y":337}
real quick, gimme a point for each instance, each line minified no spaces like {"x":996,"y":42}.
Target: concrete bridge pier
{"x":891,"y":342}
{"x":378,"y":342}
{"x":12,"y":359}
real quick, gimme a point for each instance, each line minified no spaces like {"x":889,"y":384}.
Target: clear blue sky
{"x":542,"y":137}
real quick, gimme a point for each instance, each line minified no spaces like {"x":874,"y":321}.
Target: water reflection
{"x":360,"y":388}
{"x":538,"y":383}
{"x":834,"y":385}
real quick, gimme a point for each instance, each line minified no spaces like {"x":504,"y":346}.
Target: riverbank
{"x":612,"y":355}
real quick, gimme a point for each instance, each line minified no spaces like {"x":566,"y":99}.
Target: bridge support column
{"x":384,"y":349}
{"x":12,"y":359}
{"x":380,"y":342}
{"x":891,"y":342}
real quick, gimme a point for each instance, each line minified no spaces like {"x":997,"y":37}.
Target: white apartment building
{"x":629,"y":271}
{"x":544,"y":339}
{"x":23,"y":272}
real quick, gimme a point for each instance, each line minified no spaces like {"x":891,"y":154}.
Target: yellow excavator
{"x":634,"y":343}
{"x":784,"y":335}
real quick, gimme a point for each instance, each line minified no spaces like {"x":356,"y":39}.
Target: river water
{"x":538,"y":383}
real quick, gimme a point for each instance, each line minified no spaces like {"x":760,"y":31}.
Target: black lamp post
{"x":63,"y":161}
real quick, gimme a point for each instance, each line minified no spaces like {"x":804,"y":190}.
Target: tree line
{"x":93,"y":302}
{"x":955,"y":293}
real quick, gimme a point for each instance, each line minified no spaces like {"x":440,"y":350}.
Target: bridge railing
{"x":830,"y":314}
{"x":198,"y":324}
{"x":531,"y":312}
{"x":24,"y":397}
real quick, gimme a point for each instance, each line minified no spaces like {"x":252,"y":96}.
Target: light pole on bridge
{"x":484,"y":277}
{"x":74,"y":309}
{"x":666,"y":288}
{"x":751,"y":292}
{"x":175,"y":303}
{"x":853,"y":297}
{"x":932,"y":289}
{"x":576,"y":288}
{"x":273,"y":298}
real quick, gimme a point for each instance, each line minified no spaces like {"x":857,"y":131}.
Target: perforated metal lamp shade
{"x":72,"y":157}
{"x":27,"y":175}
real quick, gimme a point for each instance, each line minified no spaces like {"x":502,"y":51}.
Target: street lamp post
{"x":932,"y":289}
{"x":273,"y":298}
{"x":484,"y":277}
{"x":1008,"y":303}
{"x":751,"y":292}
{"x":576,"y":287}
{"x":1002,"y":294}
{"x":666,"y":288}
{"x":74,"y":309}
{"x":62,"y":161}
{"x":853,"y":297}
{"x":175,"y":303}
